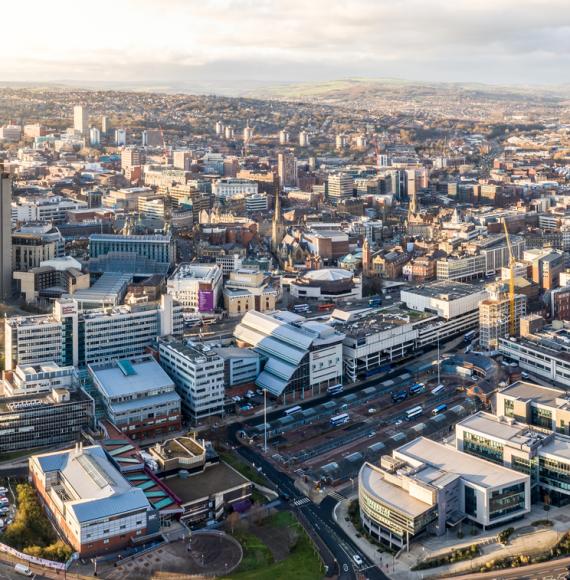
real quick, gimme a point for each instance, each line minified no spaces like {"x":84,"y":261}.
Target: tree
{"x":233,"y":521}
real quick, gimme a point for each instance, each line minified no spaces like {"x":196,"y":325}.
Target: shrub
{"x":505,"y":534}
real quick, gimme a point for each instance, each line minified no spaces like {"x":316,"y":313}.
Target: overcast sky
{"x":494,"y":41}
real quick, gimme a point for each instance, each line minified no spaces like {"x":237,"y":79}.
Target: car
{"x":371,"y":434}
{"x":357,"y":560}
{"x":525,"y":375}
{"x":371,"y":411}
{"x":398,"y":422}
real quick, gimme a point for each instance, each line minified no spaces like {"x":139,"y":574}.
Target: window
{"x":470,"y":502}
{"x":509,"y":408}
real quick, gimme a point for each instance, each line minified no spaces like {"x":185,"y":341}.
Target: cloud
{"x":495,"y":41}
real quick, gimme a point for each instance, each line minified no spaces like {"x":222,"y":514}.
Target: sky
{"x":270,"y":41}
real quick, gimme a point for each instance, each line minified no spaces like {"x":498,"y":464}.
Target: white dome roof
{"x":328,"y":275}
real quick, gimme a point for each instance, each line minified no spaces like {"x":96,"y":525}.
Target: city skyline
{"x":502,"y":42}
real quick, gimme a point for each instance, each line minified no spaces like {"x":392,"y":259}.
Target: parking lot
{"x":7,"y":504}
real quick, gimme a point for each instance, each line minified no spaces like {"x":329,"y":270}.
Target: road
{"x":321,"y":520}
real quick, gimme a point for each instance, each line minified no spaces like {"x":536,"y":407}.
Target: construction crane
{"x":512,"y":263}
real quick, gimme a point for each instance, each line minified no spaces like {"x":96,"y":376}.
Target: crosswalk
{"x":337,"y":496}
{"x":302,"y":501}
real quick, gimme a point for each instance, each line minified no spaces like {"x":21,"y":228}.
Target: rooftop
{"x":540,"y":394}
{"x":446,"y":290}
{"x":195,"y":271}
{"x":443,"y":459}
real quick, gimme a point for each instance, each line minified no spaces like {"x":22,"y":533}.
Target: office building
{"x":152,"y":138}
{"x":10,"y":133}
{"x":547,"y":265}
{"x":301,"y":355}
{"x":42,"y":405}
{"x":197,"y":287}
{"x":339,"y":186}
{"x":241,"y":365}
{"x":198,"y":373}
{"x":425,"y":486}
{"x":81,"y":120}
{"x":5,"y":234}
{"x":130,"y":157}
{"x":229,"y":187}
{"x":495,"y":315}
{"x":92,"y":504}
{"x":287,"y":169}
{"x":182,"y":159}
{"x":70,"y":337}
{"x":256,"y":202}
{"x":33,"y":244}
{"x":138,"y":396}
{"x":39,"y":209}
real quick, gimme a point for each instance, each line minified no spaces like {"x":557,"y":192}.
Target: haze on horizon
{"x":490,"y":41}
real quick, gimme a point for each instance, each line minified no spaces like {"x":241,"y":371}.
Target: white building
{"x":256,"y":202}
{"x":44,"y":209}
{"x":120,"y":137}
{"x":228,"y":187}
{"x":198,"y":373}
{"x":339,"y":186}
{"x":81,"y":120}
{"x":300,"y":354}
{"x":94,"y":137}
{"x":327,"y":284}
{"x":197,"y":287}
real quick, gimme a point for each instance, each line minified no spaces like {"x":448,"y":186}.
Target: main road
{"x":320,"y":518}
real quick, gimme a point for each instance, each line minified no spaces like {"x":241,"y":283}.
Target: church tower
{"x":277,"y":224}
{"x":365,"y":257}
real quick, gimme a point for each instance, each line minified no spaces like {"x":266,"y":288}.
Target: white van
{"x":23,"y":570}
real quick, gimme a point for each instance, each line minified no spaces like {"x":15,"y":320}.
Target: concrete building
{"x":70,"y":337}
{"x":94,"y":507}
{"x":248,"y":289}
{"x":43,"y":209}
{"x":120,"y":137}
{"x":547,"y":265}
{"x":130,"y":157}
{"x":300,"y":355}
{"x":325,"y":285}
{"x":287,"y":169}
{"x":241,"y":365}
{"x":339,"y":186}
{"x":198,"y":373}
{"x":138,"y":396}
{"x":42,"y":405}
{"x":182,"y":159}
{"x":229,"y":187}
{"x":5,"y":234}
{"x":33,"y":244}
{"x":284,"y":137}
{"x":81,"y":120}
{"x":426,"y":486}
{"x":197,"y":287}
{"x":495,"y":315}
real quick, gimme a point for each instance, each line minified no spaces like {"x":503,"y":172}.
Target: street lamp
{"x":265,"y":420}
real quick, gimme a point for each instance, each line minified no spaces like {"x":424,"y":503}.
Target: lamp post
{"x":265,"y":420}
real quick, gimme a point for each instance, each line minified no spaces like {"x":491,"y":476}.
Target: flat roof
{"x":373,"y":481}
{"x":146,"y":375}
{"x":559,"y":446}
{"x":472,"y":469}
{"x":216,"y":478}
{"x":445,"y":290}
{"x":540,"y":394}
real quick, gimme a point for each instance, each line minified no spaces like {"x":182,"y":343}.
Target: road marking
{"x":336,"y":495}
{"x":302,"y":501}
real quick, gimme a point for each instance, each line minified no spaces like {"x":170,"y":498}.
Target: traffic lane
{"x":553,"y":570}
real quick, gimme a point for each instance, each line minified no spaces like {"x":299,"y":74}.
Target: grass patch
{"x":244,"y":468}
{"x":302,"y":563}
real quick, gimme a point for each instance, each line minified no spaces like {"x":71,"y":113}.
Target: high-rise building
{"x":94,"y":137}
{"x":219,"y":128}
{"x":182,"y":159}
{"x":120,"y":137}
{"x":105,"y":125}
{"x":130,"y":157}
{"x":340,"y":141}
{"x":283,"y":137}
{"x":151,"y":138}
{"x":229,"y":132}
{"x":304,"y":140}
{"x":339,"y":187}
{"x":247,"y":134}
{"x":5,"y":234}
{"x":287,"y":169}
{"x":81,"y":119}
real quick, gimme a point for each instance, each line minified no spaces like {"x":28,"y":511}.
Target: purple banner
{"x":205,"y":300}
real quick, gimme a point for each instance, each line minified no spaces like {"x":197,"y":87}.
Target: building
{"x":10,"y":133}
{"x":70,"y":337}
{"x":300,"y":355}
{"x":304,"y":139}
{"x":229,"y":262}
{"x":81,"y":120}
{"x":284,"y":137}
{"x":241,"y":365}
{"x":94,"y":137}
{"x":42,"y":405}
{"x":5,"y":234}
{"x":139,"y":255}
{"x":248,"y":289}
{"x":547,"y":265}
{"x":126,"y":198}
{"x":44,"y":209}
{"x":543,"y":455}
{"x":495,"y":315}
{"x":130,"y":157}
{"x":197,"y":287}
{"x":120,"y":137}
{"x":138,"y":396}
{"x":256,"y":202}
{"x":198,"y":373}
{"x":229,"y":187}
{"x":182,"y":159}
{"x":33,"y":244}
{"x":426,"y":486}
{"x":287,"y":169}
{"x":339,"y":186}
{"x":94,"y":507}
{"x":152,"y":138}
{"x":325,"y":285}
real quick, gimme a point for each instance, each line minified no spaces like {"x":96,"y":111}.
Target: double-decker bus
{"x":469,"y":336}
{"x":340,"y":419}
{"x":439,"y":409}
{"x":335,"y":390}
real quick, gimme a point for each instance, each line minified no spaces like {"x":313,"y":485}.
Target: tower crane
{"x":512,"y":263}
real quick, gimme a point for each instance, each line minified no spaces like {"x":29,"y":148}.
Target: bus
{"x":399,"y":396}
{"x":417,"y":388}
{"x":414,"y":412}
{"x":439,"y":409}
{"x":327,"y":306}
{"x":340,"y":419}
{"x":437,"y":389}
{"x":301,"y":308}
{"x":293,"y":410}
{"x":375,"y":301}
{"x":469,"y":336}
{"x":335,"y":390}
